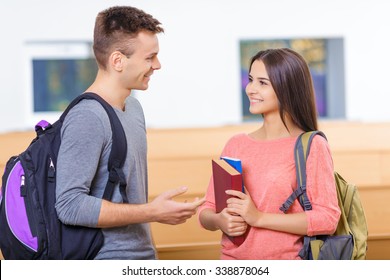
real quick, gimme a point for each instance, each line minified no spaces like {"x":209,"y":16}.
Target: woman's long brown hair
{"x":292,"y":82}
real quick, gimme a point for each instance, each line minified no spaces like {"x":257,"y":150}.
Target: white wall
{"x":199,"y":83}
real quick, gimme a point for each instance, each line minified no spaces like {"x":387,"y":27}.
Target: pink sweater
{"x":269,"y":176}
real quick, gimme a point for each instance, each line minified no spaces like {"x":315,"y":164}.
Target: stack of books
{"x":227,"y":175}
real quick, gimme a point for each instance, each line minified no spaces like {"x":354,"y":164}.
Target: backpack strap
{"x":348,"y":198}
{"x":118,"y":149}
{"x":301,"y":153}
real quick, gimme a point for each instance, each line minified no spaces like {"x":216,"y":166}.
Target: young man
{"x":126,"y":49}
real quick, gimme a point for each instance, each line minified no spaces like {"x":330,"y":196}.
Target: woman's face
{"x":262,"y":97}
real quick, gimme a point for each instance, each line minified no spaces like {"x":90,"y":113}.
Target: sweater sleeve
{"x":83,"y":138}
{"x":321,"y":189}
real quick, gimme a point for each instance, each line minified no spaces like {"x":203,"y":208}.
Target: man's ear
{"x":116,"y":61}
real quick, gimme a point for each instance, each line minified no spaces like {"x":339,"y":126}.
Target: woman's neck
{"x":276,"y":129}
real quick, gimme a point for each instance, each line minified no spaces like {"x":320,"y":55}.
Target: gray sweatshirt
{"x":82,"y":175}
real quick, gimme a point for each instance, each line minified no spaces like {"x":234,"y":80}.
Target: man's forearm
{"x":119,"y":214}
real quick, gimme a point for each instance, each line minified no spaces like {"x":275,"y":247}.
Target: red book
{"x":225,"y":177}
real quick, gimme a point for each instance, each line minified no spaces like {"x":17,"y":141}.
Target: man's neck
{"x":109,"y":91}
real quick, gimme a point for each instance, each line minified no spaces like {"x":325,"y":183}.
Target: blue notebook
{"x":236,"y":164}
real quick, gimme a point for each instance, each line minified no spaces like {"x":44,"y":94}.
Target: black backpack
{"x":29,"y":226}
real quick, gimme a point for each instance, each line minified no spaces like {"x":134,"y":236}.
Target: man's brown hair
{"x":116,"y":26}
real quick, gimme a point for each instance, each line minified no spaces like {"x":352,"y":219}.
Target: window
{"x":325,"y":58}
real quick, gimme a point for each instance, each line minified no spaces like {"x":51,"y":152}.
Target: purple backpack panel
{"x":15,"y":208}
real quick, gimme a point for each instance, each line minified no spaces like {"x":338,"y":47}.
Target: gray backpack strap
{"x":301,"y":153}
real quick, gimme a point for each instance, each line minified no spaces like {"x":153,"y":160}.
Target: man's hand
{"x":168,"y":211}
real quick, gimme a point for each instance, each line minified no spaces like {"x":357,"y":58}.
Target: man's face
{"x":140,"y":65}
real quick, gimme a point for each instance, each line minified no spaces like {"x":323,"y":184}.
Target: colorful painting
{"x":57,"y":81}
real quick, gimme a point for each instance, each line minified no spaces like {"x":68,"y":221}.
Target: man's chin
{"x":143,"y":87}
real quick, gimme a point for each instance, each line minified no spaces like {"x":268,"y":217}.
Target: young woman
{"x":280,"y":89}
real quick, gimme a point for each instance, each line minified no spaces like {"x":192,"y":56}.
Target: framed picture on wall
{"x":325,"y":57}
{"x":56,"y":72}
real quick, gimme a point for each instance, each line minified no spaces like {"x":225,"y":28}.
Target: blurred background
{"x":46,"y":57}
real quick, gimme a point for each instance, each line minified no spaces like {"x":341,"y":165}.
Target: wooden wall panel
{"x":177,"y":157}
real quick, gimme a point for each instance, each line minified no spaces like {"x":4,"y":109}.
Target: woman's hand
{"x":241,"y":204}
{"x":230,"y":223}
